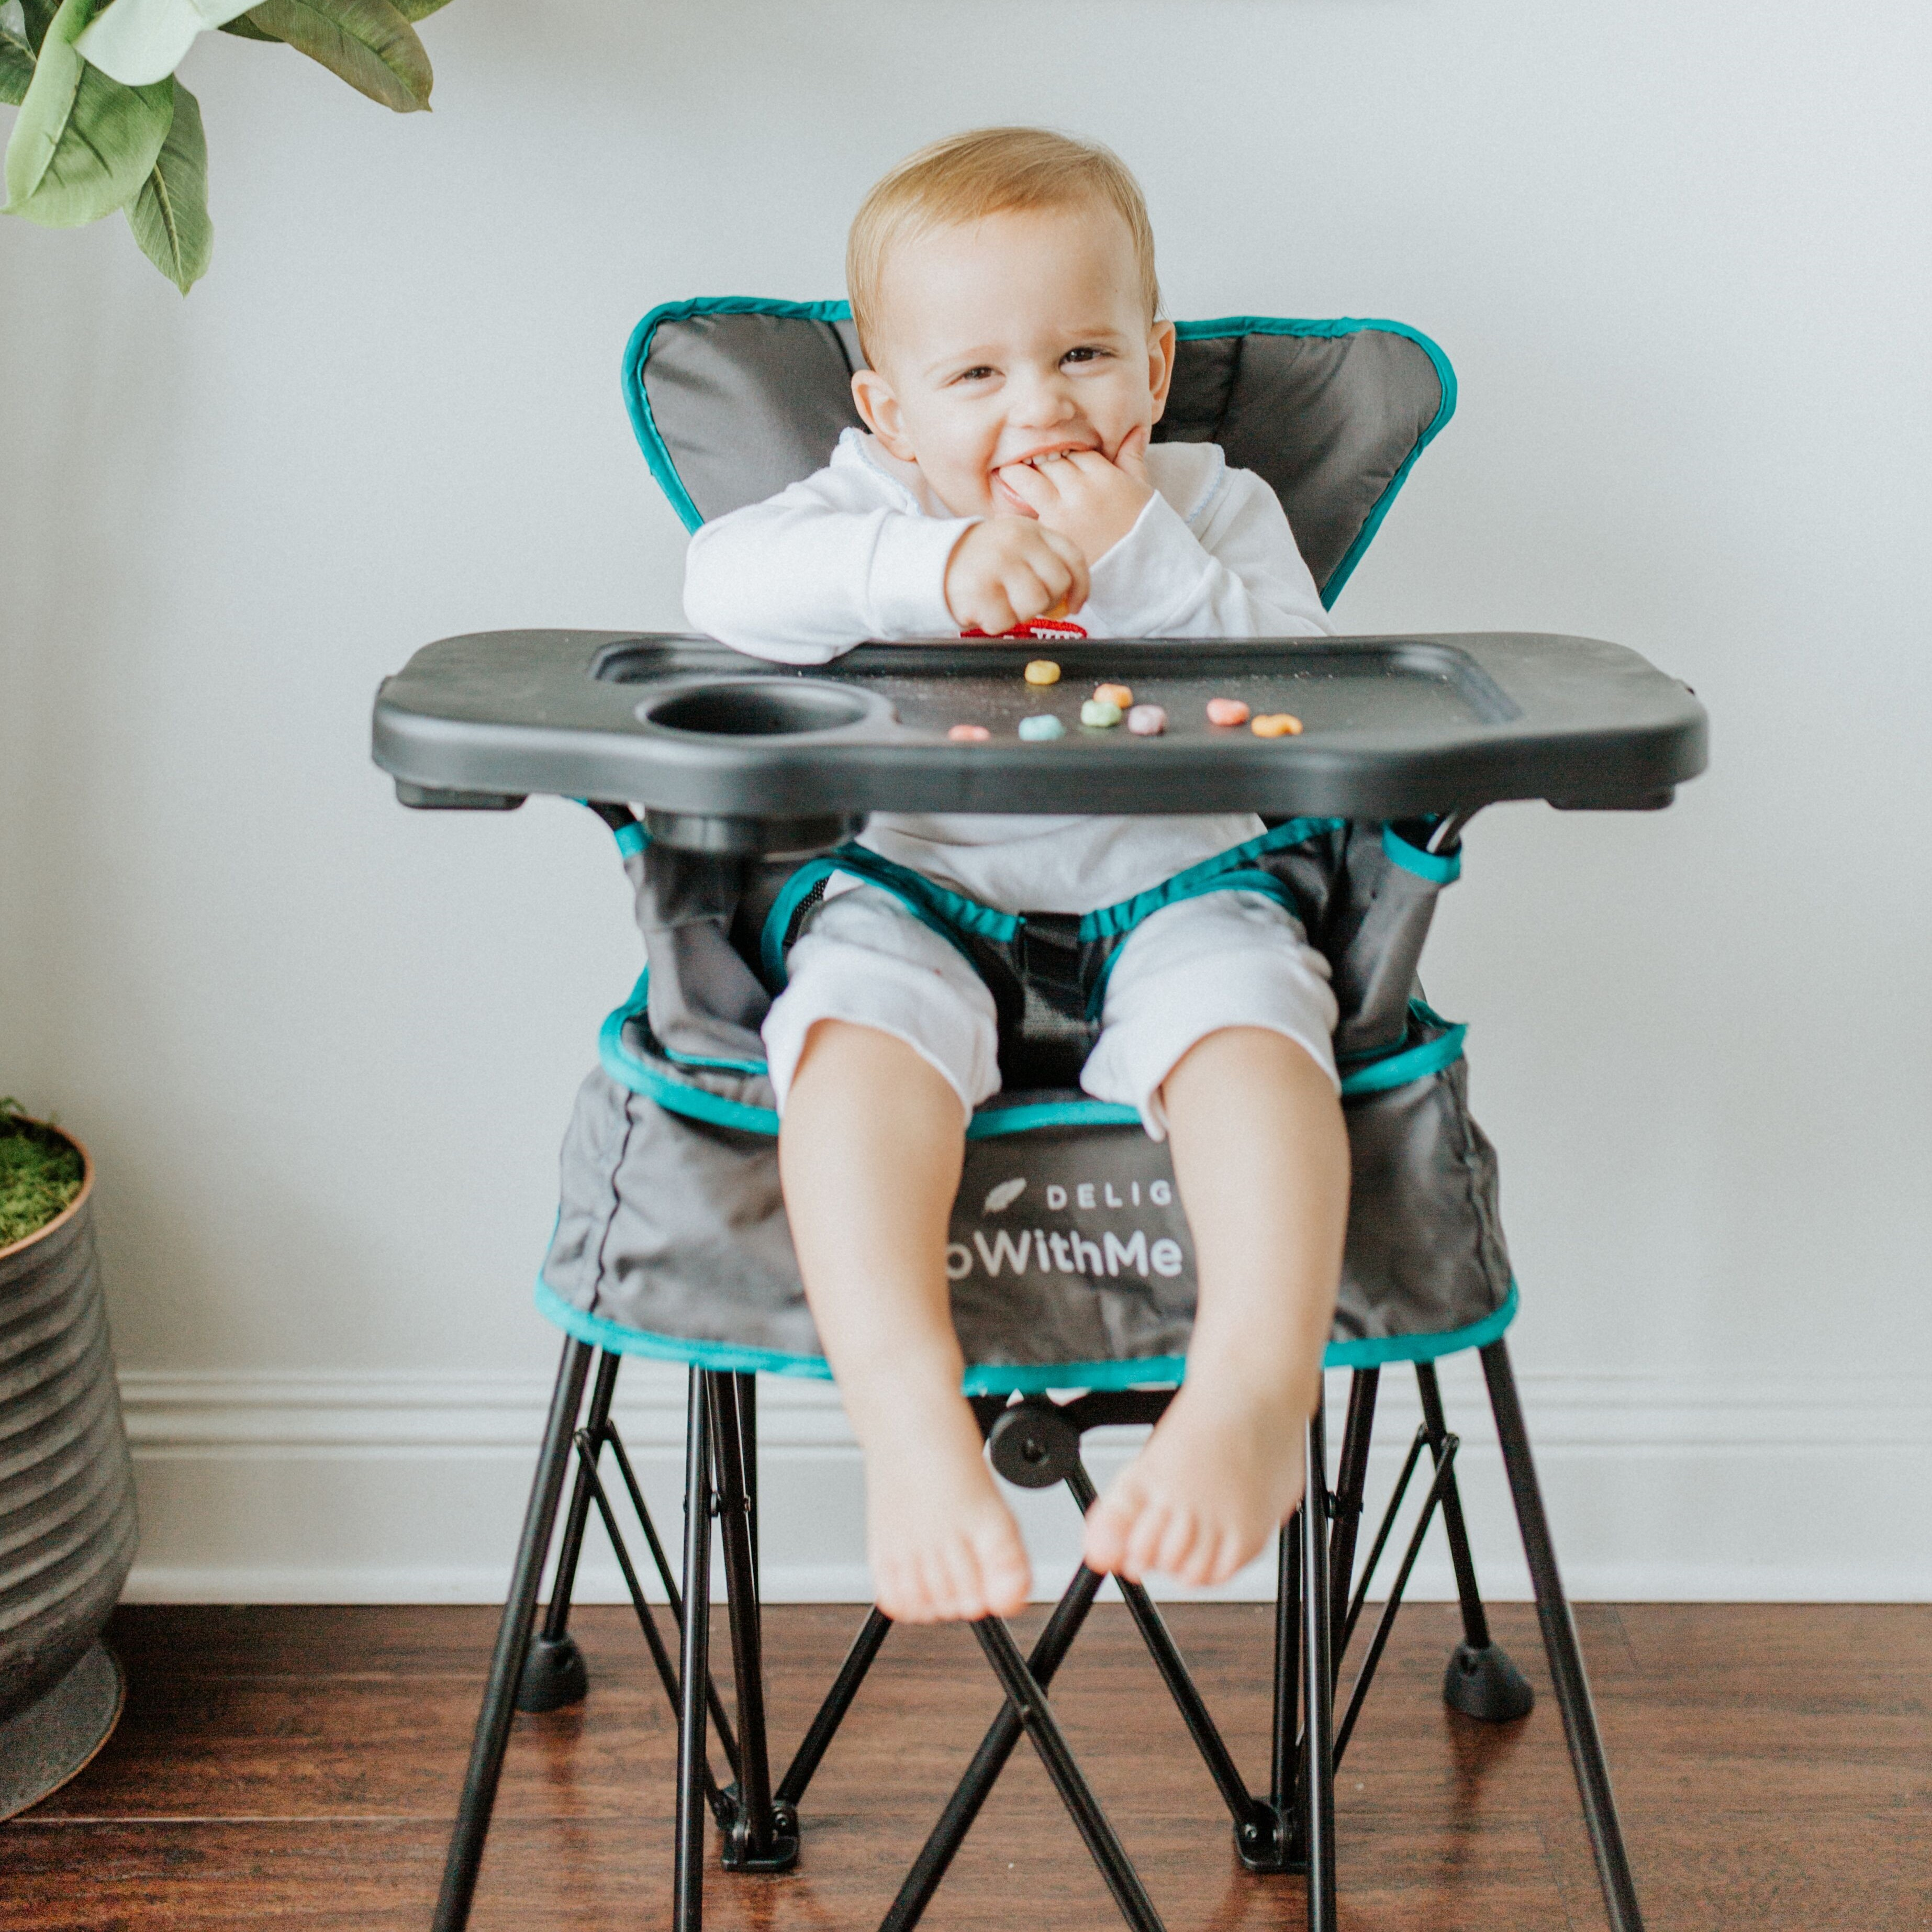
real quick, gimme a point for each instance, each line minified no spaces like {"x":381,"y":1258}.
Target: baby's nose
{"x":1044,"y":401}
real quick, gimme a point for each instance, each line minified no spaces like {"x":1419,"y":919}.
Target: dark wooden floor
{"x":300,"y":1766}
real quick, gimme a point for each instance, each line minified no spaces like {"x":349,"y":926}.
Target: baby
{"x":1003,"y":284}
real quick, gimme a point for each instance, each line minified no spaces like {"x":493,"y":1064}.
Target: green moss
{"x":40,"y":1175}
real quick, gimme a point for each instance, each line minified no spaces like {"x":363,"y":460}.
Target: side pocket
{"x":1380,"y":911}
{"x":707,"y":1004}
{"x":1425,"y":1254}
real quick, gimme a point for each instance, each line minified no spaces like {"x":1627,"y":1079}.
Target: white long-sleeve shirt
{"x":858,"y":551}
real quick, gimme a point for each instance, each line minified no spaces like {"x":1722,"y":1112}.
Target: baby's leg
{"x":872,"y":1139}
{"x":1218,"y":1022}
{"x":1262,"y":1160}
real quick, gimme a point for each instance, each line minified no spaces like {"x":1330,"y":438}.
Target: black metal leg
{"x":1351,"y":1483}
{"x":688,"y":1883}
{"x":1287,"y":1712}
{"x":554,"y":1674}
{"x":831,"y":1714}
{"x":1482,"y":1680}
{"x":1317,"y":1686}
{"x":754,"y":1843}
{"x":942,"y":1846}
{"x":1475,"y":1621}
{"x":493,"y":1721}
{"x":1024,"y":1694}
{"x":1559,"y":1639}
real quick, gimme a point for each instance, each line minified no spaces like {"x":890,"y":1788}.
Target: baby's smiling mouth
{"x":1045,"y":453}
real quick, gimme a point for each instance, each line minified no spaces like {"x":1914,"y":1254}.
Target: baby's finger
{"x":1069,"y":553}
{"x":993,"y":612}
{"x":1029,"y":485}
{"x":1131,"y":455}
{"x":1028,"y":591}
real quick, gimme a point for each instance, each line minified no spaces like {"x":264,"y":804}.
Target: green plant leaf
{"x":39,"y":15}
{"x":169,"y":216}
{"x":82,"y":144}
{"x":244,"y":28}
{"x":413,"y":10}
{"x":367,"y":42}
{"x":16,"y":70}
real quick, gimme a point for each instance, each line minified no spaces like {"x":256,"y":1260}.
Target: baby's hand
{"x":1009,"y":570}
{"x":1081,"y":495}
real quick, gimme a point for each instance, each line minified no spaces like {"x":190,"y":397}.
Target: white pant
{"x":1227,"y":959}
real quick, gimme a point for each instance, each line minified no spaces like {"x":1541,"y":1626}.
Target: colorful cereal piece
{"x":1277,"y":724}
{"x":969,"y":734}
{"x":1226,"y":711}
{"x":1100,"y":715}
{"x":1113,"y":694}
{"x":1045,"y":725}
{"x":1042,"y":670}
{"x":1146,"y":721}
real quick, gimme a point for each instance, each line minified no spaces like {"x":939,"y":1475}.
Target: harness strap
{"x":961,"y":921}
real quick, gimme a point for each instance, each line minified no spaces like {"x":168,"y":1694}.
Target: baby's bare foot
{"x":1219,"y":1476}
{"x":944,"y":1546}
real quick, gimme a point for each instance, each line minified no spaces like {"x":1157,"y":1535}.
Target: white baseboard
{"x":387,"y":1487}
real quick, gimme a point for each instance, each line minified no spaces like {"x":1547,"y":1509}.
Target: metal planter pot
{"x":67,"y":1507}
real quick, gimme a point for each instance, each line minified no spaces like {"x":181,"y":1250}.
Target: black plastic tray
{"x":706,"y":739}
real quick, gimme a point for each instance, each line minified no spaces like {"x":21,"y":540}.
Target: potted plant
{"x":67,"y":1484}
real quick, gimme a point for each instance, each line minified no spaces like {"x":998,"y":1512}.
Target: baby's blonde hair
{"x":989,"y":171}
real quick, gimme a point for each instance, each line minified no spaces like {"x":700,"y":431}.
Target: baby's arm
{"x":820,"y":567}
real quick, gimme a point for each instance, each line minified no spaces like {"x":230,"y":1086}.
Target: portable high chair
{"x":1070,"y":1256}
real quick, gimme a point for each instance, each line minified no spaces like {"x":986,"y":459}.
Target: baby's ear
{"x":881,"y":410}
{"x":1160,"y":364}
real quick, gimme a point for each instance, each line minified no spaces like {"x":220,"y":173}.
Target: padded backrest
{"x":733,"y":398}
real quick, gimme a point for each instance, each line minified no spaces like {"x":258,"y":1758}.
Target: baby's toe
{"x":1006,"y":1579}
{"x":1182,"y":1538}
{"x":1104,"y":1542}
{"x":1145,"y":1539}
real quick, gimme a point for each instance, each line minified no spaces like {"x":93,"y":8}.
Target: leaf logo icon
{"x":1004,"y":1196}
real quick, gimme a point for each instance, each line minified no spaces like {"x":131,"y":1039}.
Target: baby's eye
{"x":1084,"y":354}
{"x":978,"y":373}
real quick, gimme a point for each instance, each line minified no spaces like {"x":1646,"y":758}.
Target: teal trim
{"x":675,"y":1095}
{"x":1125,"y":914}
{"x":947,"y":913}
{"x":992,"y":1122}
{"x":919,"y":893}
{"x":631,"y":839}
{"x":637,"y":398}
{"x":1264,"y":325}
{"x":1195,"y":883}
{"x":1412,"y":1063}
{"x":1001,"y":1378}
{"x":1439,"y":868}
{"x":784,"y":910}
{"x":723,"y":1356}
{"x":1378,"y":1351}
{"x":657,"y":454}
{"x":1030,"y":1379}
{"x":1110,"y":922}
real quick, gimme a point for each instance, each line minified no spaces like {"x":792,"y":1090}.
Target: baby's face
{"x":1009,"y":340}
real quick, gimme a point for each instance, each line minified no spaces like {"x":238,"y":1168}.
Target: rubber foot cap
{"x":553,"y":1674}
{"x":1485,"y":1683}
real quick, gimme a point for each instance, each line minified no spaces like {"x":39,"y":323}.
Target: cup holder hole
{"x":758,"y":708}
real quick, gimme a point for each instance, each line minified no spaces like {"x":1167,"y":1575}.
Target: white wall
{"x":323,"y":1049}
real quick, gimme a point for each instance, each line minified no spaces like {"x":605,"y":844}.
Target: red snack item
{"x":1038,"y":627}
{"x":1227,"y":711}
{"x":969,"y":734}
